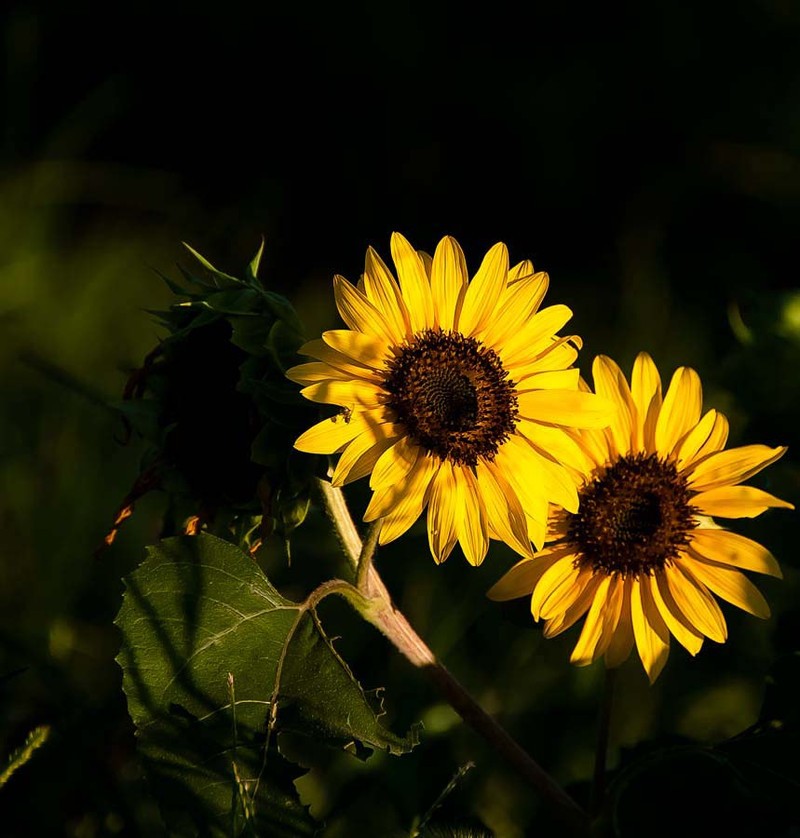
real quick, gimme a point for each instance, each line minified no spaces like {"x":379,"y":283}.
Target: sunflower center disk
{"x":634,"y":517}
{"x":453,"y":395}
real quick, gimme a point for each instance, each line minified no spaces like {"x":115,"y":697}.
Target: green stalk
{"x":378,"y":609}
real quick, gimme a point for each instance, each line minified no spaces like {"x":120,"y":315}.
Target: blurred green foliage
{"x":646,"y":157}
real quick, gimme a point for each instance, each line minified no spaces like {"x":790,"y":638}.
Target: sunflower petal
{"x":535,"y":335}
{"x":395,"y":464}
{"x":649,"y":629}
{"x":410,"y":498}
{"x":520,"y":270}
{"x":551,"y":380}
{"x":580,"y":605}
{"x":726,"y":468}
{"x":523,"y":577}
{"x":357,"y":311}
{"x":680,"y":411}
{"x":559,"y":486}
{"x":508,"y":463}
{"x":563,"y":572}
{"x":566,"y":407}
{"x":360,"y":456}
{"x":516,"y":306}
{"x":316,"y":371}
{"x":448,"y":282}
{"x":620,"y":645}
{"x":370,"y":350}
{"x":585,"y":651}
{"x":735,"y":550}
{"x":331,"y":435}
{"x":716,"y":441}
{"x":353,"y":393}
{"x":566,"y":594}
{"x":646,"y":394}
{"x":484,"y":291}
{"x":442,"y":512}
{"x":471,"y":518}
{"x":698,"y":438}
{"x":737,"y":502}
{"x":685,"y":634}
{"x":557,"y":443}
{"x":731,"y":585}
{"x":427,"y":262}
{"x":414,"y":283}
{"x":383,"y":292}
{"x":322,"y":352}
{"x":695,"y":603}
{"x":611,"y":613}
{"x":504,"y":513}
{"x":562,"y":353}
{"x":610,"y":383}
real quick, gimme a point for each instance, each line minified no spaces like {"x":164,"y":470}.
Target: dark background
{"x":645,"y":156}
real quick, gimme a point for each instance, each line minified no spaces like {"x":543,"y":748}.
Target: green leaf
{"x":282,"y":309}
{"x":252,"y":268}
{"x":235,"y":301}
{"x":251,"y":333}
{"x":210,"y":268}
{"x":176,"y":289}
{"x":196,"y":610}
{"x":283,"y":342}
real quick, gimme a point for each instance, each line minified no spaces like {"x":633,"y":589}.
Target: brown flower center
{"x":634,"y":516}
{"x":453,"y":395}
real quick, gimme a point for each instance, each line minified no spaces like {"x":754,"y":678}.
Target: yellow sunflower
{"x":642,"y":555}
{"x":454,"y":395}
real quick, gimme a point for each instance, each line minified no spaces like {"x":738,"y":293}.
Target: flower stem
{"x":601,"y":749}
{"x":335,"y":505}
{"x":367,"y":552}
{"x":381,"y":612}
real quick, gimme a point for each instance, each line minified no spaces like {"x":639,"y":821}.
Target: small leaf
{"x":209,"y":267}
{"x":252,"y":268}
{"x":173,"y":286}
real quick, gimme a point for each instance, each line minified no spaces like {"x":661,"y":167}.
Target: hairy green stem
{"x":340,"y":588}
{"x":367,"y":552}
{"x":379,"y":610}
{"x":334,"y":504}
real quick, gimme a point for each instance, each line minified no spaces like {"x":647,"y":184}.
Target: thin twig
{"x":391,"y":622}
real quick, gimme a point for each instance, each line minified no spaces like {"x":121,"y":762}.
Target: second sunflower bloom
{"x":453,"y":395}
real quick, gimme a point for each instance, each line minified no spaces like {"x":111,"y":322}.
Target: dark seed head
{"x":453,"y":395}
{"x":634,"y":517}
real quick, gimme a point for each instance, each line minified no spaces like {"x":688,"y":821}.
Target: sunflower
{"x":454,"y":395}
{"x":642,"y":554}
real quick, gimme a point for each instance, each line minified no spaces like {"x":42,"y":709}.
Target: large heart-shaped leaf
{"x":216,"y":662}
